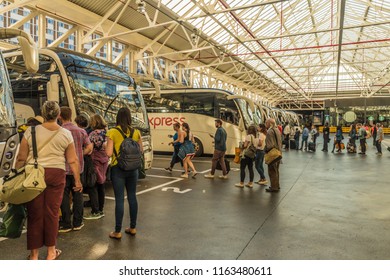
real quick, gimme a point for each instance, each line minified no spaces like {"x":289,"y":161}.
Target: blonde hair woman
{"x":55,"y":146}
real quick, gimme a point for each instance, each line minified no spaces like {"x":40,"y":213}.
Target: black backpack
{"x":88,"y":177}
{"x":129,"y":156}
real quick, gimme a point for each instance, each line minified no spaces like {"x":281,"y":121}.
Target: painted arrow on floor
{"x":176,"y":190}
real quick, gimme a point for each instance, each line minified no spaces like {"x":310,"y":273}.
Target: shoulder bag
{"x":26,"y":183}
{"x":273,"y":155}
{"x":250,"y":151}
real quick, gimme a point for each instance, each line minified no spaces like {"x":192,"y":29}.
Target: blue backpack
{"x":129,"y":156}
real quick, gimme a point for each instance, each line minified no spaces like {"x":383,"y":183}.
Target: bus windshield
{"x":101,"y":96}
{"x":247,"y":113}
{"x":7,"y":115}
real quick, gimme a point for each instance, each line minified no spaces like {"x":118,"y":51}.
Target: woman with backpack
{"x":123,"y":179}
{"x":100,"y":164}
{"x":247,"y":157}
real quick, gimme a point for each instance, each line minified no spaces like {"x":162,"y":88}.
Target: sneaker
{"x":263,"y":182}
{"x":272,"y":190}
{"x":94,"y":216}
{"x":101,"y":213}
{"x":223,"y":177}
{"x":131,"y":231}
{"x":239,"y":185}
{"x":115,"y":235}
{"x":79,"y":227}
{"x":169,"y":169}
{"x":249,"y":185}
{"x":64,"y":230}
{"x":209,"y":176}
{"x":194,"y":174}
{"x":184,"y":176}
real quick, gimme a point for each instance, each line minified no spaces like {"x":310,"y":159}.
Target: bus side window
{"x":199,"y":103}
{"x":63,"y":97}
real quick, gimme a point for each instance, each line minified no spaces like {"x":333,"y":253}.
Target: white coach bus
{"x":199,"y":108}
{"x":86,"y":84}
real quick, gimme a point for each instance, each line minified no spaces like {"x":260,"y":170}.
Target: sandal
{"x":58,"y":254}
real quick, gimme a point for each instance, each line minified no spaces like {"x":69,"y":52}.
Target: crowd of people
{"x":310,"y":133}
{"x":76,"y":158}
{"x":67,"y":151}
{"x":252,"y":151}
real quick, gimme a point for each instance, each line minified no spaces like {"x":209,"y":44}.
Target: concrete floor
{"x":331,"y":206}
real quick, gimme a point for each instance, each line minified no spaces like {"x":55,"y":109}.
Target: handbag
{"x":250,"y":151}
{"x":273,"y":155}
{"x":26,"y":183}
{"x":237,"y":153}
{"x":13,"y":221}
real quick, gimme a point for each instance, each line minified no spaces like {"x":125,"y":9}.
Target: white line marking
{"x":201,"y":161}
{"x":176,"y":190}
{"x":152,"y":189}
{"x":160,"y":186}
{"x":158,"y":168}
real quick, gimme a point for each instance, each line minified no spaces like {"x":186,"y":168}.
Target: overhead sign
{"x":381,"y":118}
{"x":370,"y":118}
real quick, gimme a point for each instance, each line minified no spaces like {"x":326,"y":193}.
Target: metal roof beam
{"x":227,"y":10}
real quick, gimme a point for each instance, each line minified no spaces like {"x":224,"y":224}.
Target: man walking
{"x":219,"y":151}
{"x":325,"y":131}
{"x":273,"y":140}
{"x":380,"y":135}
{"x":83,"y":147}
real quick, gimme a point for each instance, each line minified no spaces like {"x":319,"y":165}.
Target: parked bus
{"x":199,"y":108}
{"x":9,"y":138}
{"x":86,"y":84}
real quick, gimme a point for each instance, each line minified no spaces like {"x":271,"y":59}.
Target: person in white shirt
{"x":380,"y":135}
{"x":259,"y":160}
{"x":247,"y":158}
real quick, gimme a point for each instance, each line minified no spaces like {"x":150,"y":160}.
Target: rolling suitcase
{"x":312,"y":146}
{"x":293,"y":145}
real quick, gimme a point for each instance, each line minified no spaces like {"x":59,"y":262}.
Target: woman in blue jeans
{"x":121,"y":179}
{"x":260,"y":154}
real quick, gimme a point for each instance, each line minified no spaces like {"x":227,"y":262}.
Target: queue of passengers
{"x":357,"y":131}
{"x":62,"y":156}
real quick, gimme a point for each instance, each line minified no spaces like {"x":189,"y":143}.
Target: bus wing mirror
{"x":53,"y":89}
{"x":27,"y":44}
{"x":241,"y":125}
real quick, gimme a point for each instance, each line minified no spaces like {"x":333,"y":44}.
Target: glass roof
{"x":296,"y":44}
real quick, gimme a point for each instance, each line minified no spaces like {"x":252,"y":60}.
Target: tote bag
{"x":26,"y":183}
{"x":273,"y":155}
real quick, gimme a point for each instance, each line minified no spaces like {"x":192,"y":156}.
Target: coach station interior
{"x":305,"y":63}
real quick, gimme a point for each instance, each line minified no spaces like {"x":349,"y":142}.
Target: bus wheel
{"x":198,"y":148}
